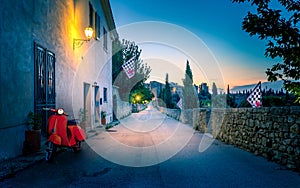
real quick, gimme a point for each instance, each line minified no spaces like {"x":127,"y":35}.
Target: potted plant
{"x":33,"y":134}
{"x":103,"y":117}
{"x":82,"y":118}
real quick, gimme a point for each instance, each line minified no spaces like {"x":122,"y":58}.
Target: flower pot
{"x":103,"y":121}
{"x":32,"y":141}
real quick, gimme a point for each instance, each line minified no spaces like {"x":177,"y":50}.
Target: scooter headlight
{"x":60,"y":111}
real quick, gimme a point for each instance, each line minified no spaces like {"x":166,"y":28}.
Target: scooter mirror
{"x":60,"y":111}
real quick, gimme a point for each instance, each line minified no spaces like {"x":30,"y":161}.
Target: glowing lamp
{"x":88,"y":33}
{"x":77,"y":43}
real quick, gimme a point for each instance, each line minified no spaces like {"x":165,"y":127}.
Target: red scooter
{"x":62,"y":133}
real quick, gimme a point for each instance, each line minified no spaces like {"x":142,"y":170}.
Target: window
{"x":104,"y":94}
{"x":104,"y":38}
{"x":91,"y":16}
{"x":97,"y":25}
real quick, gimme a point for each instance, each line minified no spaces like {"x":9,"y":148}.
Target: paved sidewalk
{"x":9,"y":168}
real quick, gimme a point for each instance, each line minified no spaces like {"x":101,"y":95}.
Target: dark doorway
{"x":115,"y":108}
{"x":97,"y":105}
{"x":44,"y":83}
{"x":87,"y":104}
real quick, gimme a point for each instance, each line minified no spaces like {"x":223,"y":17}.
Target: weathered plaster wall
{"x":122,"y":108}
{"x":52,"y":24}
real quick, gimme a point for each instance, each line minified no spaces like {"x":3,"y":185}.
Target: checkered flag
{"x":179,"y":104}
{"x":129,"y":67}
{"x":255,"y":97}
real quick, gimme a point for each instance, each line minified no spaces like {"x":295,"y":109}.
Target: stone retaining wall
{"x":270,"y":132}
{"x":173,"y":113}
{"x":273,"y":133}
{"x":121,"y":109}
{"x":184,"y":116}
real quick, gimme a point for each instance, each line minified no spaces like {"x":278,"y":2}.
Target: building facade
{"x":41,"y":67}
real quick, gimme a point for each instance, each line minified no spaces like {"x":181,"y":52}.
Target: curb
{"x":10,"y":167}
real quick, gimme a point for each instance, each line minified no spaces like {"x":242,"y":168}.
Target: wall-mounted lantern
{"x":95,"y":84}
{"x":77,"y":43}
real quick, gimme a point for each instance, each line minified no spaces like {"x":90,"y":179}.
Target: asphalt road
{"x":149,"y":149}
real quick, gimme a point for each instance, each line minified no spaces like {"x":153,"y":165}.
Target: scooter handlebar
{"x":55,"y":110}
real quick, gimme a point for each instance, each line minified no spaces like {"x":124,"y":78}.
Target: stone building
{"x":156,"y":88}
{"x":41,"y":66}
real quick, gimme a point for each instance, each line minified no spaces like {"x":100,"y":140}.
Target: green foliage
{"x":122,"y":52}
{"x":188,"y":72}
{"x":34,"y":121}
{"x":141,"y":95}
{"x":245,"y":104}
{"x":108,"y":126}
{"x":269,"y":101}
{"x":281,"y":29}
{"x":167,"y":93}
{"x":103,"y":114}
{"x":231,"y":101}
{"x":204,"y":103}
{"x":190,"y":99}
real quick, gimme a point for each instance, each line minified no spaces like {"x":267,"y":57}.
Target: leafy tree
{"x":281,"y":29}
{"x":122,"y":52}
{"x":269,"y":101}
{"x":141,"y":95}
{"x":244,"y":103}
{"x":231,"y":101}
{"x":190,"y":98}
{"x":167,"y":93}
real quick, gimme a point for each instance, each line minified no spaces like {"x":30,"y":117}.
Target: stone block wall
{"x":121,"y":108}
{"x":184,"y":116}
{"x":173,"y":113}
{"x":273,"y":133}
{"x":200,"y":117}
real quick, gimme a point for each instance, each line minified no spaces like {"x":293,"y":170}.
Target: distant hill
{"x":276,"y":86}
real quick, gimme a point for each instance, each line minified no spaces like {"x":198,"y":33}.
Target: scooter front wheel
{"x":77,"y":148}
{"x":50,"y":152}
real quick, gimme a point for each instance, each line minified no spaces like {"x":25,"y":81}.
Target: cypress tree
{"x":190,"y":98}
{"x":168,"y":96}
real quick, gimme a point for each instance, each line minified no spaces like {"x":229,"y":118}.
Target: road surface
{"x":149,"y":149}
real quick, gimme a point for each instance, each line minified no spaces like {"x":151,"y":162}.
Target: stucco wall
{"x":52,"y":24}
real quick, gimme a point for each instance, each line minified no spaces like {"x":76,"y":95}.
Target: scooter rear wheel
{"x":50,"y":152}
{"x":77,"y":148}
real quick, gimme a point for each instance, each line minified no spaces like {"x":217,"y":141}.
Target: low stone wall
{"x":173,"y":113}
{"x":184,"y":116}
{"x":121,"y":109}
{"x":273,"y":133}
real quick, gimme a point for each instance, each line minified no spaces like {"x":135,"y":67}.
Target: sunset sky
{"x":214,"y":24}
